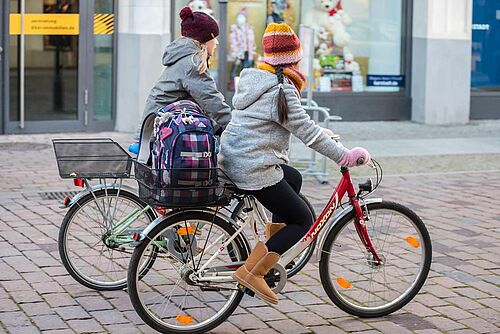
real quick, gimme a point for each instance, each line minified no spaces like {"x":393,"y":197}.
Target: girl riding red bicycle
{"x":255,"y":144}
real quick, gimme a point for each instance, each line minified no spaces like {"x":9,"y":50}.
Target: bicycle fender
{"x":96,"y":188}
{"x":335,"y":219}
{"x":158,"y":221}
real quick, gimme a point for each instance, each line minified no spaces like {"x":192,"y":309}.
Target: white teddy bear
{"x":350,"y":64}
{"x":201,"y":6}
{"x":328,"y":16}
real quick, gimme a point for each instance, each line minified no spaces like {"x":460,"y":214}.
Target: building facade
{"x":73,"y":65}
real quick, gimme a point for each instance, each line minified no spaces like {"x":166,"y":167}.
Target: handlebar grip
{"x":360,"y":161}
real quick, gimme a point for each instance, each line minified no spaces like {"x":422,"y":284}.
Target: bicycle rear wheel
{"x":168,"y":298}
{"x":352,"y":278}
{"x":84,"y":246}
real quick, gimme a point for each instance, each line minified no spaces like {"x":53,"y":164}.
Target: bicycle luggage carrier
{"x":175,"y":188}
{"x":91,"y":158}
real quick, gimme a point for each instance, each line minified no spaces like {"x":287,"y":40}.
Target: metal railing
{"x":310,"y":165}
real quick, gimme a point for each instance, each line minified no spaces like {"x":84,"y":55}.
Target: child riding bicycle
{"x":186,"y":75}
{"x":254,"y":150}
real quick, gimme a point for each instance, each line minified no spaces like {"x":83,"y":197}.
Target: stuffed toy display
{"x":329,"y":20}
{"x":338,"y":20}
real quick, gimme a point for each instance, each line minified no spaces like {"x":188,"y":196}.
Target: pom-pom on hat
{"x":198,"y":25}
{"x":281,"y":45}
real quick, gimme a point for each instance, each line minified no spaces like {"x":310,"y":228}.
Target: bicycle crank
{"x":276,"y":278}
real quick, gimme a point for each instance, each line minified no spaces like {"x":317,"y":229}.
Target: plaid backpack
{"x":183,"y":171}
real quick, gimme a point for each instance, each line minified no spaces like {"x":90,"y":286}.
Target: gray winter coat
{"x":180,"y":80}
{"x":255,"y":143}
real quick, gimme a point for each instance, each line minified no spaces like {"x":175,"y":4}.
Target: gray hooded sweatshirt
{"x":255,"y":143}
{"x":180,"y":80}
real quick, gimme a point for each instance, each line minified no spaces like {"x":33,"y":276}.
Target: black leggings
{"x":283,"y":201}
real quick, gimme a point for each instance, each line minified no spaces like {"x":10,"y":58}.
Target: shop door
{"x":46,"y":53}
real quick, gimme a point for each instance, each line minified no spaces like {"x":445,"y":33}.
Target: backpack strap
{"x":146,"y":133}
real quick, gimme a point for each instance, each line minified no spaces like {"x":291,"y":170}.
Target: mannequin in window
{"x":241,"y":43}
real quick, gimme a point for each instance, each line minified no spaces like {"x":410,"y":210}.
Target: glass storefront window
{"x":359,"y":44}
{"x":103,"y":59}
{"x":357,"y":47}
{"x":51,"y":67}
{"x":485,"y":74}
{"x":246,"y":23}
{"x":357,"y":50}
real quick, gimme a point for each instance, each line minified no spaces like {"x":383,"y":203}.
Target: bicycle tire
{"x":133,"y":278}
{"x":67,"y":222}
{"x":408,"y":295}
{"x":305,"y":256}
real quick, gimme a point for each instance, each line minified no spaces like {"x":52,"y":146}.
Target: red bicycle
{"x":374,"y":257}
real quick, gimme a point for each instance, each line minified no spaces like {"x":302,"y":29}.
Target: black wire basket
{"x":91,"y":158}
{"x":183,"y":187}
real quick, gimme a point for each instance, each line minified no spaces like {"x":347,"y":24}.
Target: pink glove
{"x":356,"y":156}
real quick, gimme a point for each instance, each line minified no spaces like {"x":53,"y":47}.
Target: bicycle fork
{"x":360,"y":225}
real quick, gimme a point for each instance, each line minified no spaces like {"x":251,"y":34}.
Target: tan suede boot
{"x":272,"y":228}
{"x":254,"y":278}
{"x":257,"y":253}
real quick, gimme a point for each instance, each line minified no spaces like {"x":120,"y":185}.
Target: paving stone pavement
{"x":461,"y":211}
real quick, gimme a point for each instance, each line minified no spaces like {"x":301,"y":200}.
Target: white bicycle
{"x":374,"y":258}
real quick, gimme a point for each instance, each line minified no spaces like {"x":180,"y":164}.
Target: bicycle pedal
{"x":248,"y":291}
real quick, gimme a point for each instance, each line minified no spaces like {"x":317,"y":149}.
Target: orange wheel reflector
{"x":412,"y":241}
{"x":186,"y":231}
{"x":184,"y":319}
{"x":343,"y":282}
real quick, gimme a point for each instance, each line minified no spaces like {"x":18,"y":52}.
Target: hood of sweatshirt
{"x":252,"y":85}
{"x":178,"y":49}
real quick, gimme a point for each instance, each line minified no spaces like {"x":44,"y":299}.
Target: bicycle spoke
{"x":89,"y":244}
{"x":360,"y":281}
{"x":180,"y":300}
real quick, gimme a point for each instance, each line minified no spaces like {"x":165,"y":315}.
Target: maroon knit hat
{"x":198,"y":25}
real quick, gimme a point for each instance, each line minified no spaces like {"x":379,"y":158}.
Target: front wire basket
{"x":183,"y":187}
{"x":91,"y":158}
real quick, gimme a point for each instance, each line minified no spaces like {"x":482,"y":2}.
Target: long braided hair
{"x":282,"y":104}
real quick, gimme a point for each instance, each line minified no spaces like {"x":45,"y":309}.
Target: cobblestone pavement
{"x":461,"y":295}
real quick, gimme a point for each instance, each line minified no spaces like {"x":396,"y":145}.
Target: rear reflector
{"x":78,"y":182}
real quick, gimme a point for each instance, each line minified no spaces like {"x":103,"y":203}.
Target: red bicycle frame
{"x":344,"y":186}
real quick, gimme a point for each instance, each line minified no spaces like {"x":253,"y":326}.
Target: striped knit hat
{"x":281,"y":45}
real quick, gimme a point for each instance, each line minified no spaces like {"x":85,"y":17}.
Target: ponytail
{"x":282,"y":104}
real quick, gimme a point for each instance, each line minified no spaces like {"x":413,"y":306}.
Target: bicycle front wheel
{"x":170,"y":298}
{"x":355,"y":282}
{"x":90,"y":249}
